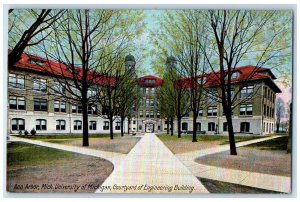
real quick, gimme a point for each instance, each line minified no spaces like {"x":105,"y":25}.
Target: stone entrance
{"x":149,"y":127}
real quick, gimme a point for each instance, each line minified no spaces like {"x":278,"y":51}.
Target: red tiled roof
{"x":245,"y":73}
{"x":142,"y":82}
{"x":50,"y":67}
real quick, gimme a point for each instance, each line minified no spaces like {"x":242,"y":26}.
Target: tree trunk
{"x":179,"y":127}
{"x":122,"y":124}
{"x":194,"y":127}
{"x":230,"y":132}
{"x":168,"y":126}
{"x":85,"y":125}
{"x":128,"y":123}
{"x":111,"y":130}
{"x":172,"y":126}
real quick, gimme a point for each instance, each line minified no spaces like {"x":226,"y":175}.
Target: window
{"x":225,"y":126}
{"x":16,"y":81}
{"x":246,"y":91}
{"x":142,"y":90}
{"x":245,"y":126}
{"x":211,"y":126}
{"x":147,"y":102}
{"x":246,"y":109}
{"x":17,"y":103}
{"x":77,"y":125}
{"x":60,"y":125}
{"x":133,"y":122}
{"x":91,"y":93}
{"x":59,"y":106}
{"x":142,"y":102}
{"x":153,"y":91}
{"x":212,"y":96}
{"x":265,"y":92}
{"x":158,"y":114}
{"x":149,"y":80}
{"x":40,"y":104}
{"x":184,"y":126}
{"x":58,"y":88}
{"x":147,"y":113}
{"x":40,"y":85}
{"x":140,"y":127}
{"x":141,"y":113}
{"x":151,"y":114}
{"x":234,"y":75}
{"x":151,"y":102}
{"x":106,"y":125}
{"x":118,"y":126}
{"x":75,"y":91}
{"x":93,"y":125}
{"x":17,"y":124}
{"x":200,"y":112}
{"x":198,"y":126}
{"x":92,"y":109}
{"x":265,"y":110}
{"x":41,"y":124}
{"x":212,"y":111}
{"x":76,"y":108}
{"x":147,"y":91}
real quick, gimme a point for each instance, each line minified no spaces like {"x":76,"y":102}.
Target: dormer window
{"x":234,"y":75}
{"x":149,"y":80}
{"x":36,"y":61}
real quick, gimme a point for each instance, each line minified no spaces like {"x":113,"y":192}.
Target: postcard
{"x":173,"y":101}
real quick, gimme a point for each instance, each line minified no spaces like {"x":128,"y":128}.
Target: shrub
{"x":33,"y":132}
{"x":26,"y":132}
{"x":20,"y":132}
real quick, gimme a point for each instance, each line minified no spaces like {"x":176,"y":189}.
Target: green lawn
{"x":279,"y":143}
{"x":222,"y":138}
{"x":29,"y":164}
{"x":214,"y":186}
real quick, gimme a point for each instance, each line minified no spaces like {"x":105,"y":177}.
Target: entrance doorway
{"x":149,"y":128}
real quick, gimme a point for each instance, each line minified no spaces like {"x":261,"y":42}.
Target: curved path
{"x":150,"y":167}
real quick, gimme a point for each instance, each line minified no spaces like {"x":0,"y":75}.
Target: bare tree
{"x":236,"y":35}
{"x":22,"y":37}
{"x":280,"y":112}
{"x":86,"y":49}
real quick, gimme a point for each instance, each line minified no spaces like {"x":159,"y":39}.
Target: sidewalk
{"x":113,"y":157}
{"x":246,"y":178}
{"x":150,"y":167}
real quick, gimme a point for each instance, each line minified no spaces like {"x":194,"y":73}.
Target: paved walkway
{"x":251,"y":179}
{"x":150,"y":167}
{"x":113,"y":157}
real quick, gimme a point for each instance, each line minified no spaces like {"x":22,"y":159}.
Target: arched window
{"x":198,"y":126}
{"x":17,"y":124}
{"x":60,"y":125}
{"x":245,"y":126}
{"x":118,"y":126}
{"x":211,"y":126}
{"x":41,"y":124}
{"x":77,"y":125}
{"x":225,"y":126}
{"x":93,"y":125}
{"x":184,"y":126}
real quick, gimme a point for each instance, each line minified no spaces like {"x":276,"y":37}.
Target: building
{"x":147,"y":117}
{"x":32,"y":104}
{"x":251,"y":116}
